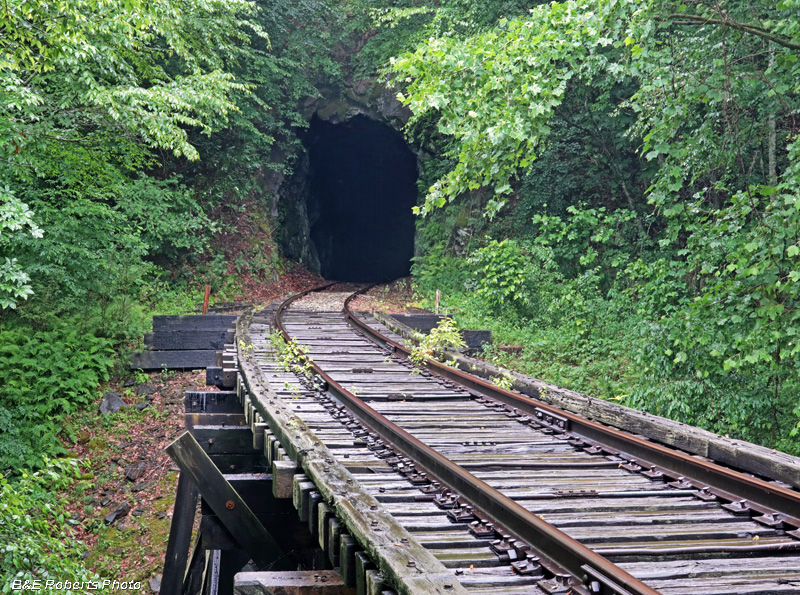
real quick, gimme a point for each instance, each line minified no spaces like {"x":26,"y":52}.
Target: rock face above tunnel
{"x":361,"y":98}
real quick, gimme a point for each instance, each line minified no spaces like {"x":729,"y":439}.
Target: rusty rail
{"x":589,"y":570}
{"x":738,"y":489}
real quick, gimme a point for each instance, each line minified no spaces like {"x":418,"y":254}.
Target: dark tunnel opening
{"x":363,"y":186}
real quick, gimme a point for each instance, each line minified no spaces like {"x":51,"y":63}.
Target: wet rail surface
{"x":669,"y":534}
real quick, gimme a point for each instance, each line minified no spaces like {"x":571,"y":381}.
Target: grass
{"x":585,"y":357}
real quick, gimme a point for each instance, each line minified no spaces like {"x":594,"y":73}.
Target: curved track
{"x":518,"y":497}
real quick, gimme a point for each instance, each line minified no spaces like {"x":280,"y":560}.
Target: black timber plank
{"x":181,"y":340}
{"x":420,"y":322}
{"x":211,"y":401}
{"x":240,"y":463}
{"x":476,"y":339}
{"x":213,"y":419}
{"x":194,"y":322}
{"x":290,"y":534}
{"x":193,"y":359}
{"x":221,"y":377}
{"x":225,"y":439}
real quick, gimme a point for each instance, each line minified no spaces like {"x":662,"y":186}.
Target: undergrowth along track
{"x":490,"y":481}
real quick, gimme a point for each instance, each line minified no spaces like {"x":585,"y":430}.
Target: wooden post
{"x":180,"y":534}
{"x":193,"y":581}
{"x":438,"y":299}
{"x":206,"y":295}
{"x":226,"y":503}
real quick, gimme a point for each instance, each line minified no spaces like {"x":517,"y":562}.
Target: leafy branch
{"x":697,"y":20}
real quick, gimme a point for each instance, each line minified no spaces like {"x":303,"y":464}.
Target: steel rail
{"x":580,"y":561}
{"x":726,"y":484}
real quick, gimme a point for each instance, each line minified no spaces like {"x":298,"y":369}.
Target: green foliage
{"x":169,"y":219}
{"x":97,"y":70}
{"x":499,"y":126}
{"x":504,"y":381}
{"x":399,"y":25}
{"x":445,"y":335}
{"x":576,"y":334}
{"x":48,"y":375}
{"x":587,"y":237}
{"x":16,"y":220}
{"x":522,"y":281}
{"x":90,"y":263}
{"x":53,"y":372}
{"x":291,"y":355}
{"x":37,"y":543}
{"x":501,"y":273}
{"x":498,"y":104}
{"x":434,"y":271}
{"x":580,"y":342}
{"x":89,"y":92}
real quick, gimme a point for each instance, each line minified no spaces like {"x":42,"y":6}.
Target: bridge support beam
{"x":225,"y":501}
{"x":180,"y":534}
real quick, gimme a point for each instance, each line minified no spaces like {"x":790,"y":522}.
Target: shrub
{"x":35,"y":538}
{"x":433,"y":345}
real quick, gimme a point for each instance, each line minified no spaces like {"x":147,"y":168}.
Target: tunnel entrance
{"x":363,"y":186}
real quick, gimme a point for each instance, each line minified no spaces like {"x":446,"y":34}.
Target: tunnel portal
{"x":363,"y":186}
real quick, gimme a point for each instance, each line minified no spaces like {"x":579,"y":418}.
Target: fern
{"x":48,"y":375}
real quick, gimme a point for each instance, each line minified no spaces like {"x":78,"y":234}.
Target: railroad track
{"x":512,"y":496}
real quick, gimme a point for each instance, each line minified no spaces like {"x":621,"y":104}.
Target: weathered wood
{"x":180,"y":534}
{"x":324,"y":515}
{"x":228,"y":378}
{"x":476,"y":339}
{"x":376,"y":531}
{"x":314,"y":500}
{"x":171,"y":340}
{"x":363,"y":564}
{"x":224,"y":378}
{"x":287,"y":531}
{"x":271,"y":445}
{"x":193,"y":359}
{"x":283,"y":479}
{"x":375,"y":582}
{"x":194,"y":572}
{"x":215,"y":535}
{"x":255,"y":490}
{"x":424,"y":323}
{"x":225,"y":501}
{"x":258,"y":429}
{"x":347,"y":559}
{"x":213,"y":419}
{"x":334,"y":539}
{"x":194,"y":322}
{"x":214,"y":374}
{"x":301,"y":491}
{"x":308,"y":582}
{"x":232,"y":561}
